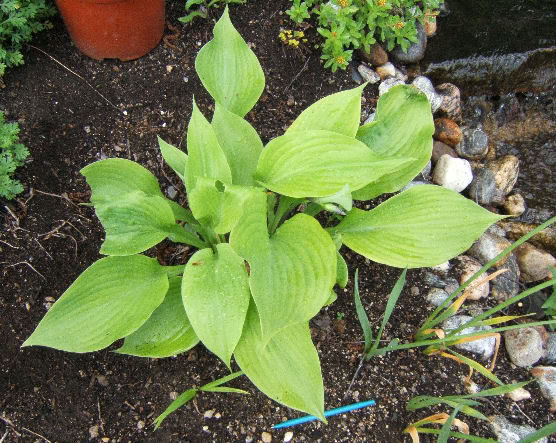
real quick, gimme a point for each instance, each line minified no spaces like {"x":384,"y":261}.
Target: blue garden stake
{"x":335,"y":411}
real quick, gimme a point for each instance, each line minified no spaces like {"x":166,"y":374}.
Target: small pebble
{"x":452,"y":173}
{"x":439,"y":149}
{"x":447,"y":131}
{"x":524,"y":346}
{"x":385,"y":86}
{"x":546,"y":378}
{"x":519,"y":394}
{"x":386,"y":71}
{"x":368,"y":74}
{"x":376,"y":56}
{"x":140,"y":424}
{"x":473,"y":144}
{"x":425,"y":85}
{"x":451,"y":101}
{"x":534,"y":263}
{"x":468,"y":267}
{"x":209,"y":413}
{"x":93,"y":431}
{"x":288,"y":436}
{"x":484,"y":346}
{"x":507,"y":432}
{"x":266,"y":437}
{"x":515,"y":205}
{"x":416,"y":51}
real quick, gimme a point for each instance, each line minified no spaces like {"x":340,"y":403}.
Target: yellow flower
{"x":381,"y":2}
{"x":400,"y":25}
{"x":343,"y":3}
{"x":340,"y":60}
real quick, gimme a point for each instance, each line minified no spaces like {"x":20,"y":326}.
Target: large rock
{"x":507,"y":432}
{"x":415,"y":51}
{"x":483,"y":346}
{"x":492,"y":183}
{"x":452,"y":173}
{"x":473,"y":144}
{"x":487,"y":247}
{"x":533,"y":262}
{"x":525,"y":346}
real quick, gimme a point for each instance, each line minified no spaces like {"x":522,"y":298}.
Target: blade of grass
{"x":472,"y":438}
{"x":447,"y":427}
{"x":177,"y":403}
{"x":220,"y":381}
{"x":545,"y":431}
{"x":477,"y":366}
{"x":362,"y":315}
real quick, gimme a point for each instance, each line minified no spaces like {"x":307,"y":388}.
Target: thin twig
{"x":37,"y":435}
{"x":62,"y":196}
{"x":4,"y":436}
{"x":13,"y":215}
{"x":361,"y":361}
{"x":299,"y":73}
{"x":100,"y":417}
{"x":23,"y":263}
{"x":45,"y":251}
{"x":6,"y":243}
{"x":77,"y":75}
{"x":528,"y":418}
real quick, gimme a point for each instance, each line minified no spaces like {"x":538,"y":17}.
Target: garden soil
{"x":72,"y":111}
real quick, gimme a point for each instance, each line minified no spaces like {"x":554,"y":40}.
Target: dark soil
{"x":116,"y":109}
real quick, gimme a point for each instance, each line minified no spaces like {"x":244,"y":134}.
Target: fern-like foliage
{"x":12,"y":155}
{"x":19,"y":20}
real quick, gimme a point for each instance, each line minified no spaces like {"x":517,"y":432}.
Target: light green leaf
{"x":292,"y":273}
{"x":240,"y":142}
{"x":176,"y":158}
{"x":316,"y":163}
{"x":338,"y":203}
{"x":341,"y":271}
{"x":229,"y":70}
{"x":111,"y":178}
{"x":183,"y":399}
{"x":215,"y":291}
{"x":423,"y":226}
{"x":403,"y":129}
{"x":206,"y":158}
{"x":217,"y":205}
{"x":167,"y":332}
{"x":111,"y":299}
{"x":339,"y":112}
{"x":136,"y":222}
{"x":286,"y":368}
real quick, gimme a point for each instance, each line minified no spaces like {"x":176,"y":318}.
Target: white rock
{"x":288,"y":436}
{"x":452,"y":173}
{"x":400,"y":75}
{"x":524,"y":346}
{"x":442,"y":268}
{"x":507,"y":432}
{"x":266,"y":437}
{"x":385,"y":71}
{"x":468,"y":267}
{"x":546,"y":378}
{"x":209,"y":413}
{"x":368,"y":74}
{"x":519,"y":394}
{"x":370,"y":118}
{"x":436,"y":296}
{"x":533,"y":262}
{"x":387,"y":84}
{"x":425,"y":85}
{"x":484,"y":346}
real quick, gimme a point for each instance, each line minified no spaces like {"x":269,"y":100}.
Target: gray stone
{"x":452,"y":173}
{"x":436,"y":296}
{"x":387,"y":84}
{"x":551,"y":348}
{"x":171,"y":192}
{"x":487,"y":247}
{"x":546,"y":378}
{"x":506,"y":285}
{"x":433,"y":280}
{"x":426,"y":172}
{"x":413,"y":183}
{"x":368,"y":74}
{"x":426,"y":87}
{"x":484,"y":346}
{"x":524,"y":346}
{"x":439,"y":149}
{"x":483,"y":186}
{"x":370,"y":118}
{"x":416,"y":51}
{"x":507,"y":432}
{"x":473,"y":145}
{"x":534,"y":263}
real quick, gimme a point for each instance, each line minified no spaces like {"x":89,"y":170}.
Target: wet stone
{"x":368,"y":74}
{"x":451,"y":101}
{"x":377,"y":56}
{"x":447,"y":131}
{"x":483,"y":186}
{"x":524,"y":346}
{"x":439,"y":149}
{"x":416,"y":51}
{"x":473,"y":144}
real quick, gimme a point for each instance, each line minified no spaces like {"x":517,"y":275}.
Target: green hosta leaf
{"x":135,"y":223}
{"x":423,"y":226}
{"x":240,"y":142}
{"x":206,"y":158}
{"x":167,"y":332}
{"x":339,"y":112}
{"x":218,"y":208}
{"x":215,"y":291}
{"x":292,"y":272}
{"x":318,"y":163}
{"x":342,"y":274}
{"x":176,"y":158}
{"x":339,"y":203}
{"x":403,"y":129}
{"x":111,"y":299}
{"x":229,"y":70}
{"x":286,"y":368}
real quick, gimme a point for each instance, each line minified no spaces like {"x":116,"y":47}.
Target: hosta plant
{"x":264,"y":265}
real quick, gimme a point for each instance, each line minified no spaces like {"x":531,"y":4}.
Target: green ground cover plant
{"x":12,"y":155}
{"x":199,"y":8}
{"x":351,"y":24}
{"x":264,"y":265}
{"x":19,"y":20}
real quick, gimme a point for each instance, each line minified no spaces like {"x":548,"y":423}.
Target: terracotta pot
{"x":124,"y":29}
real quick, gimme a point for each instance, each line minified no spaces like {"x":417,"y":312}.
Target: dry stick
{"x":6,"y":243}
{"x":23,"y":263}
{"x":37,"y":435}
{"x":4,"y":436}
{"x":62,"y":196}
{"x":77,"y":75}
{"x":13,"y":215}
{"x":299,"y":73}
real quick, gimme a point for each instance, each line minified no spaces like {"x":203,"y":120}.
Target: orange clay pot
{"x":124,"y":29}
